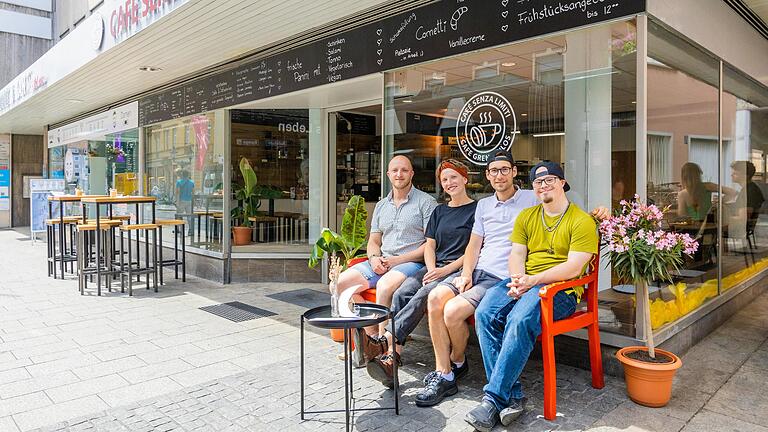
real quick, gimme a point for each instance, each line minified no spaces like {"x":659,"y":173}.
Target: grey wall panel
{"x":26,"y":159}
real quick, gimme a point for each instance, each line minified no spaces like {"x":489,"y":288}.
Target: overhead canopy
{"x":191,"y":38}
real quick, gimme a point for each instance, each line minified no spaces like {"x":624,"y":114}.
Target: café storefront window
{"x":568,"y":98}
{"x":683,"y":166}
{"x":184,"y":171}
{"x":745,"y":147}
{"x":283,"y":148}
{"x":98,"y":163}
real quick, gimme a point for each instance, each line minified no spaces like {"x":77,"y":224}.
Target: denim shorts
{"x":365,"y":269}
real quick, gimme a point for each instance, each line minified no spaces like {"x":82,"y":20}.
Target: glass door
{"x":354,"y":137}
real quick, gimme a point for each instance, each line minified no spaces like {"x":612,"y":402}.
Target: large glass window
{"x":745,"y":147}
{"x":97,"y":164}
{"x":568,"y":98}
{"x":288,"y":172}
{"x":683,"y":165}
{"x":184,"y":169}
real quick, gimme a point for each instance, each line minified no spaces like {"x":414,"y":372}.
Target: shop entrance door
{"x":354,"y":138}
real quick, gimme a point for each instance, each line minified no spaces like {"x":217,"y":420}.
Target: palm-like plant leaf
{"x":353,"y":228}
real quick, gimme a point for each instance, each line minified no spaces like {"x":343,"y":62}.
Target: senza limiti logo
{"x":486,"y":123}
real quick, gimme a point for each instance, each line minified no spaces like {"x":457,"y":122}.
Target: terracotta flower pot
{"x":241,"y":235}
{"x":648,"y":384}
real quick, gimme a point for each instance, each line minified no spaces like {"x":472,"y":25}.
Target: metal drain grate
{"x":237,"y":312}
{"x":304,"y":297}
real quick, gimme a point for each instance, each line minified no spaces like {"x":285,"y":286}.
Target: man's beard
{"x":546,"y":199}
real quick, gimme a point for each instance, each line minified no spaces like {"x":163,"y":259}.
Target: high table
{"x":370,"y":314}
{"x":62,"y":199}
{"x":109,"y":202}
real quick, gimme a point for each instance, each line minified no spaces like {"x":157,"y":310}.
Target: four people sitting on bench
{"x":476,"y":264}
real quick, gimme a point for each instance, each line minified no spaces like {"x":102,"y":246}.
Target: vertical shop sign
{"x":5,"y":181}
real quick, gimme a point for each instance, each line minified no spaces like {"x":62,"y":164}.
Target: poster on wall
{"x":39,"y":191}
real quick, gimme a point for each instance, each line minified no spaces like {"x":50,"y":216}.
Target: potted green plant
{"x":248,"y":199}
{"x":640,"y":252}
{"x":347,"y":243}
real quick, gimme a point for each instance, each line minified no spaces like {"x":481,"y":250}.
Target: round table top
{"x":370,"y":314}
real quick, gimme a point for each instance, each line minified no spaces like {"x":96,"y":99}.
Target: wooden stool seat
{"x":92,"y":227}
{"x":202,"y":213}
{"x":135,"y":227}
{"x":67,"y":219}
{"x":111,"y":222}
{"x":170,"y":222}
{"x":121,"y":217}
{"x":262,"y":219}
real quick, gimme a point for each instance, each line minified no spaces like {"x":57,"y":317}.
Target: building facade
{"x":630,"y":96}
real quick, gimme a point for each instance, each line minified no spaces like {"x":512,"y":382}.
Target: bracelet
{"x":374,"y":256}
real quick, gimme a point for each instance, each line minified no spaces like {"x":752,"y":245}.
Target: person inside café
{"x":745,"y":209}
{"x":694,"y":201}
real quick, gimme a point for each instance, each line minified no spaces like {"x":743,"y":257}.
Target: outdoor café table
{"x":370,"y":314}
{"x":61,"y":199}
{"x":109,"y":202}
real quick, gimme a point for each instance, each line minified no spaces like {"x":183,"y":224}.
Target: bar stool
{"x":69,"y":250}
{"x":178,"y":233}
{"x":269,"y":223}
{"x":199,"y":214}
{"x":286,"y":231}
{"x":129,"y":269}
{"x":217,"y":225}
{"x":87,"y":263}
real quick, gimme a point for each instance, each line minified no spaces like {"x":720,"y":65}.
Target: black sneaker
{"x":484,"y":417}
{"x":436,"y":390}
{"x":513,"y":411}
{"x":459,"y":372}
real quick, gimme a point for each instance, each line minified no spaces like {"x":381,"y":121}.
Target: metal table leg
{"x":301,"y":368}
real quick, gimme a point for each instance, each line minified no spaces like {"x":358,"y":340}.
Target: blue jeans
{"x":406,"y":268}
{"x":507,"y":330}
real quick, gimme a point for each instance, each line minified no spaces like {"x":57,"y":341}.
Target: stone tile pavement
{"x":155,"y":362}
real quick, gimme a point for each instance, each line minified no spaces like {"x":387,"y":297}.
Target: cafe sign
{"x":486,"y":123}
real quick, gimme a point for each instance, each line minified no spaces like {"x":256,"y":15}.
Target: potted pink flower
{"x":640,"y":252}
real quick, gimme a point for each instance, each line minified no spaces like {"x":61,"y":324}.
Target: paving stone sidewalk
{"x":156,"y":362}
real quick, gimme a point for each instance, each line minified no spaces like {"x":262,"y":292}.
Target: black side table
{"x":370,"y":314}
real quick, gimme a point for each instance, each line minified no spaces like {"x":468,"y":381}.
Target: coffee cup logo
{"x":486,"y":123}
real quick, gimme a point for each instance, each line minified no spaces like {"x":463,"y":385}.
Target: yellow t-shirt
{"x":576,"y":232}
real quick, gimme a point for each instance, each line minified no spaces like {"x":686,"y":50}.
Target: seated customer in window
{"x":746,"y":208}
{"x":695,"y":200}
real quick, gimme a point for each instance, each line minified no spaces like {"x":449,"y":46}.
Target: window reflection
{"x":184,"y":168}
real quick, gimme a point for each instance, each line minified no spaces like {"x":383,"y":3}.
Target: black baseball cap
{"x":502,"y":155}
{"x":552,"y":168}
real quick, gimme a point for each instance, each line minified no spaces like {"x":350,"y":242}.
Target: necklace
{"x":553,"y":228}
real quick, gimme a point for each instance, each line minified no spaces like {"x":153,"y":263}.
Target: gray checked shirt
{"x":402,"y":228}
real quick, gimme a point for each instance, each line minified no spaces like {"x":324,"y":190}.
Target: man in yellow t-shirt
{"x":551,"y":242}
